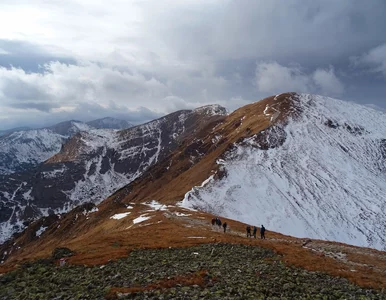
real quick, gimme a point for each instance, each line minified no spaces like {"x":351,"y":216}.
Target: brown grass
{"x":114,"y":241}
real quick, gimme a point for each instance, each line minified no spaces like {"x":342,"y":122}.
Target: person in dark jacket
{"x":248,"y":231}
{"x":225,"y":226}
{"x":262,"y":232}
{"x":254,"y":231}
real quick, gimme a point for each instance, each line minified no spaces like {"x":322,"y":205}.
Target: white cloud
{"x":327,"y":82}
{"x":274,"y":78}
{"x":375,"y":59}
{"x":271,"y":77}
{"x":174,"y":103}
{"x":63,"y":84}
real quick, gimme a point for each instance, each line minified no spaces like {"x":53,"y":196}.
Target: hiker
{"x":254,"y":231}
{"x":218,"y":222}
{"x":248,"y":231}
{"x":213,"y":221}
{"x":225,"y":226}
{"x":262,"y":232}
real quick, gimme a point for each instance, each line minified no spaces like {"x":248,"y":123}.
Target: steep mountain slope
{"x":92,"y":165}
{"x":320,"y":174}
{"x":110,"y":123}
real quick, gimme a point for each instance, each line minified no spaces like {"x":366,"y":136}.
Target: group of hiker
{"x":262,"y":231}
{"x":217,"y":221}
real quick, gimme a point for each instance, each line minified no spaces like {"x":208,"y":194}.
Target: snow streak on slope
{"x":326,"y":180}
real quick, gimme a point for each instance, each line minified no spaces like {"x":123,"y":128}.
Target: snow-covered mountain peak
{"x":69,"y":128}
{"x":318,"y":173}
{"x":211,"y":110}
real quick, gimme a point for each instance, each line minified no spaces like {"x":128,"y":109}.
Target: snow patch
{"x":155,"y":205}
{"x":40,"y":230}
{"x":178,"y":214}
{"x":120,"y":216}
{"x":141,"y":219}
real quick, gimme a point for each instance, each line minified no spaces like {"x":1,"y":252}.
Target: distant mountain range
{"x":107,"y":122}
{"x":24,"y":148}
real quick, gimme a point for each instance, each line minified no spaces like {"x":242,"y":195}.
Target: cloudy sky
{"x":140,"y":59}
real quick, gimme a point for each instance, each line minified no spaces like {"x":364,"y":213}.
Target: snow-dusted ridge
{"x":325,"y":180}
{"x":212,"y":110}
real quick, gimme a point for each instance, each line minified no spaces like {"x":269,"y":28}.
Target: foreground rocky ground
{"x":208,"y":271}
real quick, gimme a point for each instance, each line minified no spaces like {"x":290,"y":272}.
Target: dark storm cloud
{"x":312,"y":32}
{"x":28,"y":56}
{"x":40,"y":106}
{"x":312,"y":37}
